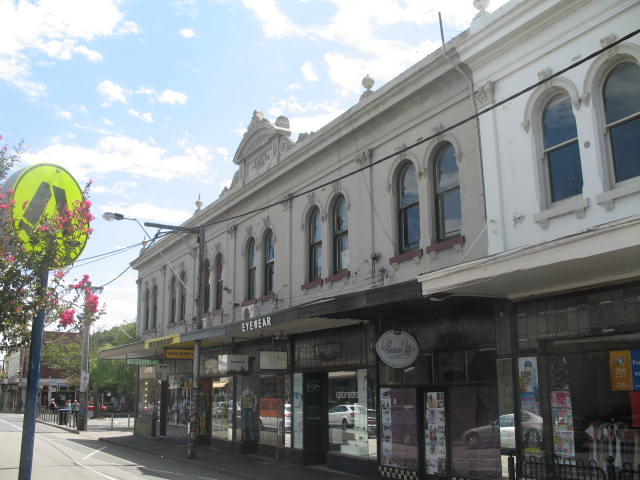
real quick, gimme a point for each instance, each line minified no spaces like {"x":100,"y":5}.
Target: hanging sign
{"x":179,"y":353}
{"x":233,"y":363}
{"x":273,"y":360}
{"x":145,"y":362}
{"x":397,"y":348}
{"x":621,"y":370}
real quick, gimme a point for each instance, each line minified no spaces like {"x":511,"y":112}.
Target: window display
{"x":435,"y":433}
{"x":178,"y":399}
{"x":222,"y":408}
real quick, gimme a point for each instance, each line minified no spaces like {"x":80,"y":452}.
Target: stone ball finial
{"x":282,"y":122}
{"x":367,"y":82}
{"x":199,"y":203}
{"x":481,"y":5}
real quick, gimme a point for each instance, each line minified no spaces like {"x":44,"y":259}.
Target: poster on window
{"x":435,"y":440}
{"x":297,"y":411}
{"x":528,"y":381}
{"x":561,"y":410}
{"x":399,"y":441}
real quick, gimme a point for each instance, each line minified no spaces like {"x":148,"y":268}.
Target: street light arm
{"x":172,"y":227}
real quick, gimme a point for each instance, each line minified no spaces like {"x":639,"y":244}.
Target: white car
{"x":344,"y":415}
{"x":271,"y":423}
{"x":502,"y":432}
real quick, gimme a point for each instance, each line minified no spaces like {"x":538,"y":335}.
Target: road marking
{"x":9,"y":423}
{"x":93,"y":453}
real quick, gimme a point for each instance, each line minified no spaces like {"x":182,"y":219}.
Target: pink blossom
{"x":67,"y":318}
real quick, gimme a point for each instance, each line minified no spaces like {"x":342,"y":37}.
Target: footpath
{"x":251,"y":467}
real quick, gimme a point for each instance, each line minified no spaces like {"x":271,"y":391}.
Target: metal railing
{"x":555,"y":468}
{"x":108,"y":421}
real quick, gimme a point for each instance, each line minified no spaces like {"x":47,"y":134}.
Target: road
{"x":61,"y":455}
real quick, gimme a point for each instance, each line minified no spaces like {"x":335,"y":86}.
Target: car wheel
{"x":345,"y":424}
{"x":473,"y":440}
{"x":532,"y":438}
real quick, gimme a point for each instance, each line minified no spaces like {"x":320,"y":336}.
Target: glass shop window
{"x":148,"y":396}
{"x":351,"y":413}
{"x":222,"y":408}
{"x":178,"y":399}
{"x":273,"y":421}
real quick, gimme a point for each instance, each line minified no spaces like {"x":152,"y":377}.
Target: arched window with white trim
{"x":251,"y":269}
{"x":447,"y":194}
{"x":408,"y":208}
{"x":315,"y":245}
{"x":340,"y":236}
{"x":269,"y":262}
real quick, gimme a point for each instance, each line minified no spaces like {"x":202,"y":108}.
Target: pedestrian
{"x":75,"y":408}
{"x":52,"y":404}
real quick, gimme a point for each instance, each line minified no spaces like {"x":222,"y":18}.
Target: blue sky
{"x":150,"y":98}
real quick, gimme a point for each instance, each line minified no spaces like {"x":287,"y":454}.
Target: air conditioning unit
{"x":250,"y":311}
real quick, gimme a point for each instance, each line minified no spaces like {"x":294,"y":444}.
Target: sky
{"x":149,"y":99}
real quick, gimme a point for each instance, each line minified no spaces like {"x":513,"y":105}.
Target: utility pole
{"x":84,"y":362}
{"x":194,"y":420}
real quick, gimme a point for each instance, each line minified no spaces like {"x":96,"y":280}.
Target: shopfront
{"x":439,"y":411}
{"x":578,"y":376}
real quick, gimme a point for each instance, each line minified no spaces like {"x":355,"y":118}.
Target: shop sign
{"x":233,"y":363}
{"x":273,"y":360}
{"x":145,"y":362}
{"x":161,"y":341}
{"x":179,"y":353}
{"x":397,"y":348}
{"x":256,"y":324}
{"x":624,"y":367}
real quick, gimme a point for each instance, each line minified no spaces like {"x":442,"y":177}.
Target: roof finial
{"x":198,"y":204}
{"x":481,"y":5}
{"x":367,"y":82}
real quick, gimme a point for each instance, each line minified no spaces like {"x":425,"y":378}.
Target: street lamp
{"x":199,"y":231}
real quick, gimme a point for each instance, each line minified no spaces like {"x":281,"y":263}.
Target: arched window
{"x":183,"y":295}
{"x":340,"y":236}
{"x":408,"y":209}
{"x":207,"y":286}
{"x":251,"y":269}
{"x":621,"y":94}
{"x":561,"y":154}
{"x":146,"y":309}
{"x":218,"y":297}
{"x":447,"y":190}
{"x":269,"y":262}
{"x":315,"y":245}
{"x":173,"y":296}
{"x":154,"y":307}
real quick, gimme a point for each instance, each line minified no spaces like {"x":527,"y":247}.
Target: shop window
{"x":340,"y":236}
{"x":274,"y":414}
{"x":481,"y":365}
{"x":398,"y":428}
{"x":561,"y":151}
{"x":408,"y":209}
{"x":178,"y":399}
{"x":222,"y":408}
{"x":315,"y":245}
{"x":247,"y":399}
{"x":621,"y":94}
{"x":251,"y":269}
{"x":447,"y":188}
{"x":450,"y":367}
{"x":269,"y":263}
{"x":352,"y":415}
{"x":148,"y":393}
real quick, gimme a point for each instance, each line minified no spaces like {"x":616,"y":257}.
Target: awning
{"x":604,"y":254}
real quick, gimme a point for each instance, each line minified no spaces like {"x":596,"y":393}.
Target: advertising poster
{"x":297,"y":410}
{"x":562,"y":417}
{"x":435,"y":440}
{"x":399,"y":441}
{"x":620,"y":368}
{"x":528,"y":380}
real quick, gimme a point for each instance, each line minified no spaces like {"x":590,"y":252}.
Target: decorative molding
{"x":286,"y":201}
{"x":576,"y":205}
{"x":485,"y":94}
{"x":545,"y":73}
{"x":232,"y":230}
{"x":629,"y":187}
{"x":313,"y":284}
{"x":249,"y":231}
{"x":445,"y":244}
{"x":437,"y":131}
{"x":364,"y":158}
{"x":403,"y":257}
{"x":338,"y":276}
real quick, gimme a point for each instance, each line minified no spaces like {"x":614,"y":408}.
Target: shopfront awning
{"x":601,"y":255}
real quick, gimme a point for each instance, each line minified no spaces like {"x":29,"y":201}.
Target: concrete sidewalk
{"x":252,"y":467}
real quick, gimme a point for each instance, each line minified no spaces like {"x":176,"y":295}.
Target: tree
{"x":112,"y":375}
{"x":21,"y":263}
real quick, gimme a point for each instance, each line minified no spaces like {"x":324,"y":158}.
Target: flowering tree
{"x":51,"y":245}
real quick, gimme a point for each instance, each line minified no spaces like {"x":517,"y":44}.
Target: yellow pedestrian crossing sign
{"x":41,"y":193}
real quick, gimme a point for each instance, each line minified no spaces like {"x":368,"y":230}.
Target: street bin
{"x":63,"y":416}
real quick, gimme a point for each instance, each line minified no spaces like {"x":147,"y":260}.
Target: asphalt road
{"x":61,"y":455}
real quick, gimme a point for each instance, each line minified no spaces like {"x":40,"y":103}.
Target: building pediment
{"x":262,"y":146}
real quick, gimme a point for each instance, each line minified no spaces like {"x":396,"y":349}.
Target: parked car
{"x":91,"y":407}
{"x":271,"y":422}
{"x":502,"y":432}
{"x":345,"y":415}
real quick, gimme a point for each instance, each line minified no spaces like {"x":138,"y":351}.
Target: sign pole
{"x":31,"y":404}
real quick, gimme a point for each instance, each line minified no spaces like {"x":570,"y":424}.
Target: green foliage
{"x":112,"y":375}
{"x":64,"y":354}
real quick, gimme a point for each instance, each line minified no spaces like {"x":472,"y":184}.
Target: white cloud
{"x":113,"y":92}
{"x":308,"y":72}
{"x":145,"y":117}
{"x":65,"y":114}
{"x":172,"y":97}
{"x":108,"y":122}
{"x":121,"y":188}
{"x":293,"y":86}
{"x":56,"y":29}
{"x":119,"y":153}
{"x":187,"y":33}
{"x":275,"y":23}
{"x":146,"y":91}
